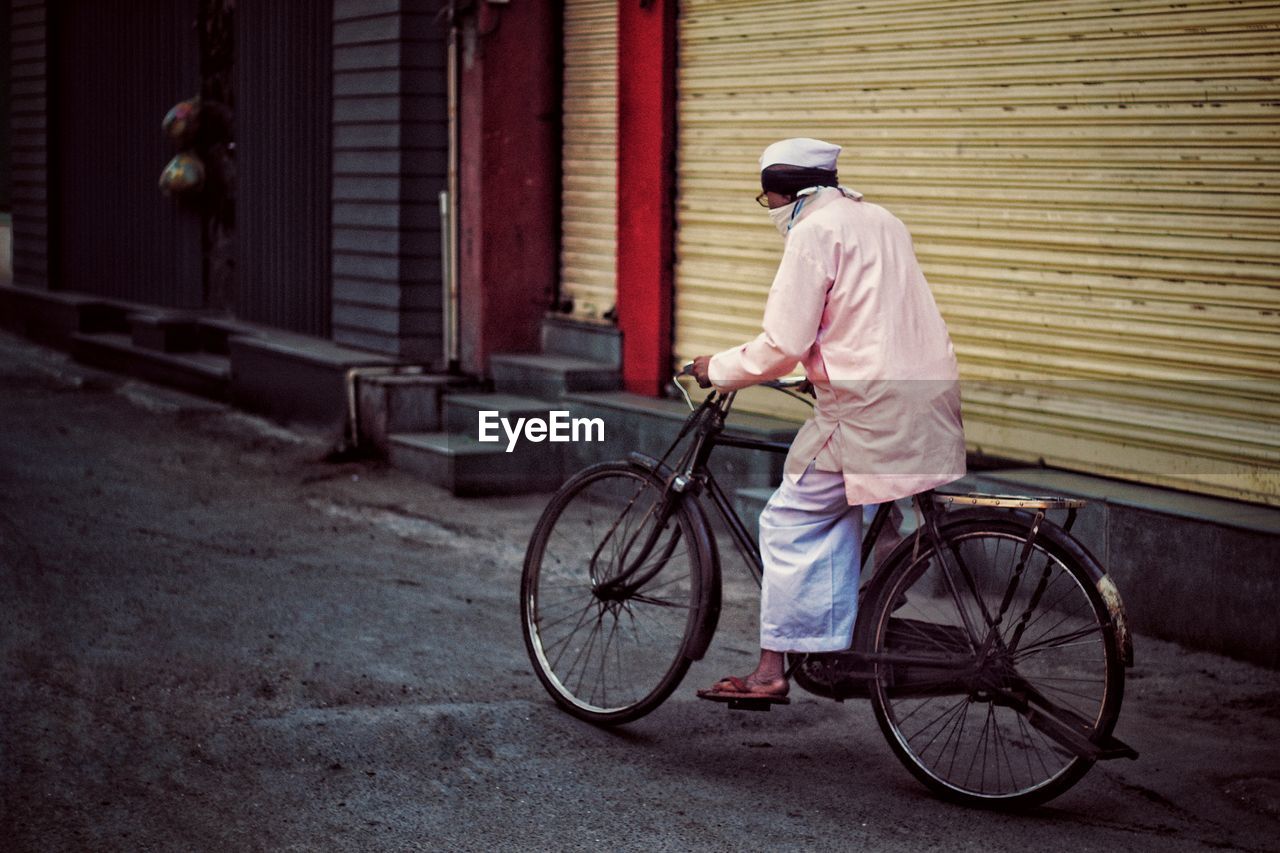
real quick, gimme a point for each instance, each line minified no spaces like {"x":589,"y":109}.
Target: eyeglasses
{"x":763,"y":198}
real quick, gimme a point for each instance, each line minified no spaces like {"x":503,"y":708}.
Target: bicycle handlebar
{"x":783,"y":383}
{"x":788,"y":385}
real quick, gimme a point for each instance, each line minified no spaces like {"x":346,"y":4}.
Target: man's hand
{"x":701,"y":365}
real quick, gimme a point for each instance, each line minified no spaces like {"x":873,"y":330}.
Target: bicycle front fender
{"x":704,"y":546}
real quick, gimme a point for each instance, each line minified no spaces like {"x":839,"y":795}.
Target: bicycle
{"x":991,"y":644}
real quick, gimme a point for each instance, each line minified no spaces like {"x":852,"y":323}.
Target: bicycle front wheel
{"x":971,"y":727}
{"x":609,"y":653}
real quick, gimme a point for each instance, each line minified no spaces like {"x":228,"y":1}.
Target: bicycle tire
{"x":968,"y":743}
{"x":603,"y":660}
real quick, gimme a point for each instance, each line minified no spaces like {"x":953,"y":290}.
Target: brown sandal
{"x":734,"y":689}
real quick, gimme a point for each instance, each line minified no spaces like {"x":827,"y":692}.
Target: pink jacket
{"x":850,"y":303}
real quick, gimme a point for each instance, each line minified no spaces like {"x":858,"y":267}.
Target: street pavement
{"x":213,"y":639}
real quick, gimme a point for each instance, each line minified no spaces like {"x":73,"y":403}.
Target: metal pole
{"x":449,"y":206}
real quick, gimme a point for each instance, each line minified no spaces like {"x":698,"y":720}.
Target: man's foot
{"x":752,"y":687}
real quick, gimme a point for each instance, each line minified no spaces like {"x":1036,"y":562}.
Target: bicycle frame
{"x":941,"y":624}
{"x":692,"y":476}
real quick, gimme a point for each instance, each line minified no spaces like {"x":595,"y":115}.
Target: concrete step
{"x":165,"y":332}
{"x":52,"y":318}
{"x":215,"y":332}
{"x":600,"y":342}
{"x":206,"y":374}
{"x":551,"y":375}
{"x":402,"y":403}
{"x":293,"y":377}
{"x":469,"y":468}
{"x":462,"y":410}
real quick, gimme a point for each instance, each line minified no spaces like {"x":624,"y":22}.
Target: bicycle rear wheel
{"x":972,"y":727}
{"x":610,"y":654}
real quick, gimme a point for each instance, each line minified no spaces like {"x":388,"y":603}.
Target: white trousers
{"x":810,"y":543}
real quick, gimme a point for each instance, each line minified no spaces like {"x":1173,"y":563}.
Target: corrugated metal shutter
{"x":6,"y":153}
{"x":113,"y":233}
{"x":30,"y":114}
{"x":1094,"y":192}
{"x":284,"y":80}
{"x":588,"y":213}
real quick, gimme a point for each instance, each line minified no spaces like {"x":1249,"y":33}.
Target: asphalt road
{"x":214,"y":640}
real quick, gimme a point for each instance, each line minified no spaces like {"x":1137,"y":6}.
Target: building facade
{"x":320,"y":209}
{"x":1092,"y":187}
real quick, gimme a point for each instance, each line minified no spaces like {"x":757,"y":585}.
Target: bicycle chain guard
{"x":833,"y":675}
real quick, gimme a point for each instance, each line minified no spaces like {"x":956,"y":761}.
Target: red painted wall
{"x":646,"y":189}
{"x":509,"y":166}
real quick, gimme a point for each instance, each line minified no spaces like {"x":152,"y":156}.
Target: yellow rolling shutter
{"x":588,"y":253}
{"x":1093,"y":189}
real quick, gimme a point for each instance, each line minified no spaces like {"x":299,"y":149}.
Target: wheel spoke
{"x":563,"y":642}
{"x":545,"y":627}
{"x":1062,"y":641}
{"x":604,"y":663}
{"x":940,"y":720}
{"x":585,"y":651}
{"x":610,"y":658}
{"x":1052,"y":608}
{"x":1060,"y":691}
{"x":967,"y":740}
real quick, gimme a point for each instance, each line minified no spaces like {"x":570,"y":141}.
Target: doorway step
{"x":576,"y":358}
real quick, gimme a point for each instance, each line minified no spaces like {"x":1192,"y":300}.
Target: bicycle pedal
{"x":740,"y":703}
{"x":744,"y":703}
{"x":756,"y":704}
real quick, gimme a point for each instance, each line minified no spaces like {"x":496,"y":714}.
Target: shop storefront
{"x":1091,"y":188}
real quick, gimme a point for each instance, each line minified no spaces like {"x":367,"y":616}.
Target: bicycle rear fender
{"x":708,"y":559}
{"x":1102,"y":582}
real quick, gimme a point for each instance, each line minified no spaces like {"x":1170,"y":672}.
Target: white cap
{"x":801,"y":151}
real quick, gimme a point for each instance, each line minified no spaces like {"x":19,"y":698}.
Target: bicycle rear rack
{"x":1006,"y":501}
{"x":1039,"y":503}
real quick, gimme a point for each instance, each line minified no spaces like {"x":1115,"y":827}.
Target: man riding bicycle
{"x":850,"y":303}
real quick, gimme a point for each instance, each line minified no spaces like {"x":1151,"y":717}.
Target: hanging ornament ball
{"x":185,"y":173}
{"x":181,"y":120}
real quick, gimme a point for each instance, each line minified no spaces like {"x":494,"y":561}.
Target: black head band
{"x":789,"y":180}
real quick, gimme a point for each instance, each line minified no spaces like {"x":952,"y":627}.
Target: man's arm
{"x":792,"y":315}
{"x":700,"y":369}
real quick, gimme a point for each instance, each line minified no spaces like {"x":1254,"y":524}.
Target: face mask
{"x":782,"y":216}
